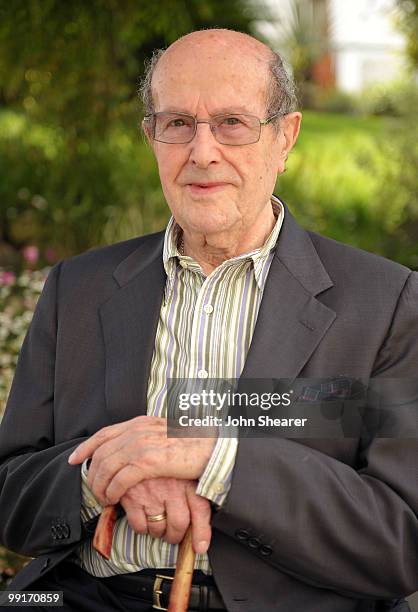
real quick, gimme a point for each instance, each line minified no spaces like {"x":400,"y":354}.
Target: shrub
{"x":18,"y":297}
{"x":72,"y":194}
{"x":329,"y":100}
{"x":393,"y":99}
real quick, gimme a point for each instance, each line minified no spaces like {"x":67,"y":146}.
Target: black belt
{"x":154,"y":586}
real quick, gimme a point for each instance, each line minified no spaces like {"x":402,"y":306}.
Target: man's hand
{"x":179,"y":500}
{"x":128,"y":453}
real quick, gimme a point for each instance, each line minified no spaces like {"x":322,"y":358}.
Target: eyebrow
{"x":225,"y":110}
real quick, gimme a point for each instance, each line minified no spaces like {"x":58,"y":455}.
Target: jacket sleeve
{"x":354,"y":531}
{"x":39,"y":491}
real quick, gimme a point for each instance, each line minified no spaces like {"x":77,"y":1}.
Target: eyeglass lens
{"x":227,"y":129}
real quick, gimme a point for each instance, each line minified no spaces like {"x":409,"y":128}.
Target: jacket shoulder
{"x":342,"y":259}
{"x":110,"y":256}
{"x":92,"y":273}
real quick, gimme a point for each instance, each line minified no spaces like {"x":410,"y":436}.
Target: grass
{"x":329,"y":183}
{"x":335,"y":125}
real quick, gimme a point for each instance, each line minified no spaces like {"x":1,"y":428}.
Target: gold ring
{"x":155,"y":518}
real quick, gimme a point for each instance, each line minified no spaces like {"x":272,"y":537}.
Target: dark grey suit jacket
{"x":319,"y":525}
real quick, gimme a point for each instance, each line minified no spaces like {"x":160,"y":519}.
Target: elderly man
{"x":233,"y":288}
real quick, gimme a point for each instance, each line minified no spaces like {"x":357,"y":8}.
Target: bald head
{"x":228,"y":52}
{"x":219,"y":43}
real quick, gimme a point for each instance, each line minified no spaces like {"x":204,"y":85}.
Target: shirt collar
{"x":172,"y":256}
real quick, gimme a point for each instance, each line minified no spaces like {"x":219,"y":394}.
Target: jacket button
{"x":266,"y":550}
{"x":54,"y":532}
{"x":254,"y":543}
{"x":242,"y":534}
{"x":66,"y":531}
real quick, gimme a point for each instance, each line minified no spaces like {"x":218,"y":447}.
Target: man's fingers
{"x":156,"y":529}
{"x":87,"y":448}
{"x":136,"y":518}
{"x":101,"y":473}
{"x":178,"y":518}
{"x":123,"y":480}
{"x":200,"y":515}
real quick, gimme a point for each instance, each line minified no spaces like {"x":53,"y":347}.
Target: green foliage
{"x":73,"y":170}
{"x":397,"y":180}
{"x":395,"y":98}
{"x":329,"y":100}
{"x":72,"y":196}
{"x":354,"y":179}
{"x":408,"y":24}
{"x":333,"y":181}
{"x":76,"y":63}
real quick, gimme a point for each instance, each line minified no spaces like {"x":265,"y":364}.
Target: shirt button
{"x":219,"y":488}
{"x":202,"y":374}
{"x":208,"y":308}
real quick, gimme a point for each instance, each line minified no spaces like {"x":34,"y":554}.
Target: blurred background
{"x":75,"y":172}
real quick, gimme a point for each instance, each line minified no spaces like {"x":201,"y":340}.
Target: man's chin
{"x":207,"y":225}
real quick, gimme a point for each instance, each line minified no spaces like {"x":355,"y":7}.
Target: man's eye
{"x":231,"y":121}
{"x":176,"y":123}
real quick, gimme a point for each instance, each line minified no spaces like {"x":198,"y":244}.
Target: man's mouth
{"x":206,"y":187}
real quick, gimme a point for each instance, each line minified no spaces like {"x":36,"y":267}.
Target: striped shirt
{"x":204,"y":330}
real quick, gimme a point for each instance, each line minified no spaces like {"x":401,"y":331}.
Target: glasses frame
{"x":262,"y":123}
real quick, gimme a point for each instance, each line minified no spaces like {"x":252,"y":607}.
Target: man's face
{"x":212,"y":188}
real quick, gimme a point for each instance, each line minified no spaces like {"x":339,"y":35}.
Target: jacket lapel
{"x":129,"y":321}
{"x":291,"y":321}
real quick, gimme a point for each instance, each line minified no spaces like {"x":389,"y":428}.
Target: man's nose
{"x":205,"y":149}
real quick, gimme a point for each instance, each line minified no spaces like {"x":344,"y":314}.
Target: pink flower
{"x":31,"y":254}
{"x":7,"y":278}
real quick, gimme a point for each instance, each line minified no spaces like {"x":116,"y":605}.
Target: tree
{"x":74,"y":169}
{"x":303,"y":32}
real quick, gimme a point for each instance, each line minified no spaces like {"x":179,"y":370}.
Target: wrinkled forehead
{"x":220,"y":76}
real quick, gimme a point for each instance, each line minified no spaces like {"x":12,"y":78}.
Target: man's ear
{"x":289,"y":131}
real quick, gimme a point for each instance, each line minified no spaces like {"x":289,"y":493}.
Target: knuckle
{"x":103,"y":459}
{"x":103,"y":433}
{"x":132,"y":500}
{"x":100,"y":455}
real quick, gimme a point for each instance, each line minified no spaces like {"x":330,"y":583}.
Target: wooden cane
{"x":182,"y":583}
{"x":103,"y":534}
{"x":183,"y":575}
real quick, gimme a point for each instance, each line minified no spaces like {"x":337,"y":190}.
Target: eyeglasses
{"x":231,"y":129}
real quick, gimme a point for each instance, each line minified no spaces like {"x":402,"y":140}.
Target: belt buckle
{"x":157,"y":592}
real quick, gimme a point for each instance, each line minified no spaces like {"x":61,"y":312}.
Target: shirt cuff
{"x":215,"y":482}
{"x":90,"y":507}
